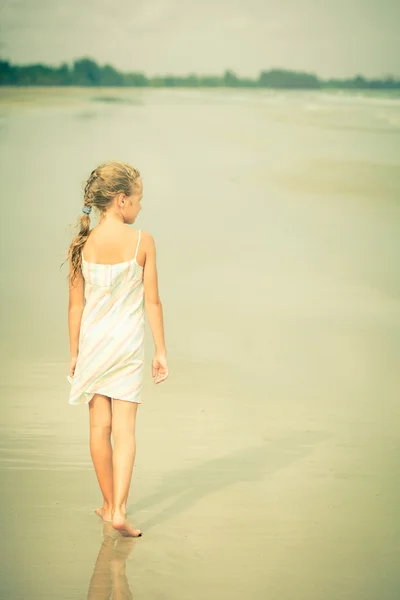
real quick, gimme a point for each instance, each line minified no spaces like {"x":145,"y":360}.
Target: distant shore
{"x":86,"y":72}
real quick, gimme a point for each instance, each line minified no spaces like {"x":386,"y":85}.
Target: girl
{"x":112,"y":281}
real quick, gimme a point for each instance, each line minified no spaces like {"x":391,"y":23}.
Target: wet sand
{"x":267,"y":465}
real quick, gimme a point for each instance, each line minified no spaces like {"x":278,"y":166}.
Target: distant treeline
{"x":86,"y":72}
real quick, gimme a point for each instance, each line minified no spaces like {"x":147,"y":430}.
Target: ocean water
{"x":268,"y":463}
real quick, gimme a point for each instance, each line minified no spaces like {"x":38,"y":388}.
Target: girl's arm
{"x":152,"y":299}
{"x":75,"y":310}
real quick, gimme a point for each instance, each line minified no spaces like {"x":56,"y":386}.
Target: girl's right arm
{"x":76,"y":304}
{"x":154,"y":311}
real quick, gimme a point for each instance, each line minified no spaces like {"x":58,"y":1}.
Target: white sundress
{"x":111,"y":339}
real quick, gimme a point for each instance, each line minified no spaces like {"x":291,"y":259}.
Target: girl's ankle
{"x":119,"y":510}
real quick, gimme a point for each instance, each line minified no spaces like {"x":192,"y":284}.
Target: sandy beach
{"x":267,"y":465}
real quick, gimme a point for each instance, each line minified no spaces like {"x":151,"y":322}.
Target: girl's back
{"x":114,"y":243}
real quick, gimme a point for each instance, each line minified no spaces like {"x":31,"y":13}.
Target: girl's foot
{"x":120,"y":523}
{"x":104,"y":513}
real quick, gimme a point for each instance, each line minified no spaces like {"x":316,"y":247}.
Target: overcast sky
{"x":328,"y":37}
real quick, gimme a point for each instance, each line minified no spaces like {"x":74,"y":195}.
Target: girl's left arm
{"x":75,"y":310}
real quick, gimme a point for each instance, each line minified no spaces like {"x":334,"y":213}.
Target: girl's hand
{"x":159,"y":368}
{"x":72,"y":366}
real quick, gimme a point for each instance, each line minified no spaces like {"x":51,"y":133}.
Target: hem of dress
{"x":87,"y":401}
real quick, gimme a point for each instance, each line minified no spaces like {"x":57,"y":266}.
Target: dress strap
{"x":137,"y":247}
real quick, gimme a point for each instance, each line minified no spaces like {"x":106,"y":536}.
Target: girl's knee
{"x":123,"y":429}
{"x":100,"y":429}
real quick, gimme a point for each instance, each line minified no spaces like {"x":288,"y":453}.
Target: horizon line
{"x":71,"y":63}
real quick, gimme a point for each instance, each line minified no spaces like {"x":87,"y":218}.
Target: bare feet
{"x":120,"y":523}
{"x":104,"y":513}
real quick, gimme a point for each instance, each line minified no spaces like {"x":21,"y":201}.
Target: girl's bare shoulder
{"x":147,"y":239}
{"x":146,"y":235}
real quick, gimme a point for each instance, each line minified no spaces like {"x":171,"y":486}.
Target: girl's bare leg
{"x":101,"y":450}
{"x":123,"y":430}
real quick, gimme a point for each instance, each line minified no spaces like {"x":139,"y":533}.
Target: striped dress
{"x":111,"y":338}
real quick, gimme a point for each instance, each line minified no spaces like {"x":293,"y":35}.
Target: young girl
{"x":112,"y":281}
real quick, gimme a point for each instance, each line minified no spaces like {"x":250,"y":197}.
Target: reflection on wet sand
{"x":109,"y":575}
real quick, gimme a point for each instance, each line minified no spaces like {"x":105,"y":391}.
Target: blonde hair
{"x":104,"y":183}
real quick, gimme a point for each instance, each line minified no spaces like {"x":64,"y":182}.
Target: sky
{"x":332,"y":38}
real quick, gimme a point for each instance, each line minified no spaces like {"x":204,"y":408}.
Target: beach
{"x":267,"y":465}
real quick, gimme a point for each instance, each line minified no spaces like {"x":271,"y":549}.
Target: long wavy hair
{"x":104,"y":183}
